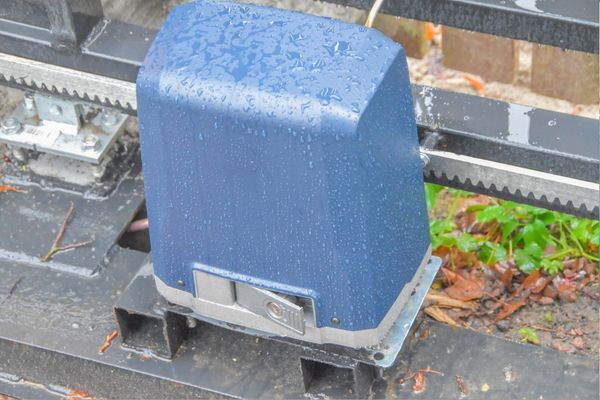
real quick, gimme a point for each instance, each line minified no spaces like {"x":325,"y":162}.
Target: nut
{"x":90,"y":142}
{"x":109,"y":117}
{"x":11,"y":126}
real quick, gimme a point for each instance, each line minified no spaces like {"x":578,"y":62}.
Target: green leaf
{"x":529,"y":335}
{"x":583,"y":230}
{"x":445,"y":239}
{"x":551,"y":266}
{"x":459,"y":193}
{"x":491,"y":252}
{"x":596,"y":236}
{"x":466,"y":243}
{"x":549,"y":318}
{"x":536,"y":232}
{"x":437,"y":227}
{"x":491,"y":213}
{"x":525,"y":261}
{"x":509,"y":228}
{"x":548,"y":217}
{"x":431,"y":193}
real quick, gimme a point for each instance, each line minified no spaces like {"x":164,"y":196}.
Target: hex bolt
{"x":274,"y":310}
{"x":109,"y":117}
{"x":424,"y":159}
{"x":29,"y":102}
{"x":90,"y":143}
{"x":11,"y":126}
{"x":55,"y":109}
{"x":191,"y":322}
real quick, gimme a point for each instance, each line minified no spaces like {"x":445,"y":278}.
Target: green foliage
{"x":548,"y":317}
{"x":532,"y":236}
{"x":431,"y":192}
{"x":529,"y":335}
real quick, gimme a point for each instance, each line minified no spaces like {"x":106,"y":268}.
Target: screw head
{"x":11,"y":126}
{"x":55,"y":109}
{"x":335,"y":321}
{"x":274,"y":310}
{"x":90,"y":142}
{"x":181,"y":282}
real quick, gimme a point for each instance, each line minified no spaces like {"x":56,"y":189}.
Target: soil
{"x":567,"y":326}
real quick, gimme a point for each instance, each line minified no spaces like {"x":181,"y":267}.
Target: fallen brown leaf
{"x":506,"y":278}
{"x":578,"y":342}
{"x":510,"y":308}
{"x":541,"y":284}
{"x":442,"y":300}
{"x":551,"y":292}
{"x":439,"y":315}
{"x":563,"y":347}
{"x":528,"y":282}
{"x":450,"y":276}
{"x":465,"y":289}
{"x":475,"y":83}
{"x":430,"y":31}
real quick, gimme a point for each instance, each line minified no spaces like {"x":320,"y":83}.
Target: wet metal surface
{"x":514,"y":134}
{"x":566,"y":24}
{"x":32,"y":219}
{"x":69,"y":333}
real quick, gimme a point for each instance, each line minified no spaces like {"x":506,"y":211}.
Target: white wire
{"x":373,"y":13}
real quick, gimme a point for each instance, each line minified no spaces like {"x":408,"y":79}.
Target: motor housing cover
{"x":280,"y":152}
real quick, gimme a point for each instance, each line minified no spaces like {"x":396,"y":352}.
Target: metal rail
{"x":569,"y":24}
{"x":73,"y":34}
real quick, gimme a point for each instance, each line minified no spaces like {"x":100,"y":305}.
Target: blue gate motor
{"x":283,"y":179}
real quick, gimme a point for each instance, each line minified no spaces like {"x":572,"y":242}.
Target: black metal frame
{"x":73,"y":34}
{"x":566,"y":24}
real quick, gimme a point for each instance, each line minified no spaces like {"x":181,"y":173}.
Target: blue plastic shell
{"x":280,"y":149}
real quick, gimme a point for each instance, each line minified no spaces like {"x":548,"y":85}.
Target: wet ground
{"x":570,"y":324}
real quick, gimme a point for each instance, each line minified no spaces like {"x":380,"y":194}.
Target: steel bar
{"x":514,"y":134}
{"x":113,"y":49}
{"x":567,"y":24}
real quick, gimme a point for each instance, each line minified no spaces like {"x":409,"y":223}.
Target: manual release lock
{"x":272,"y":306}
